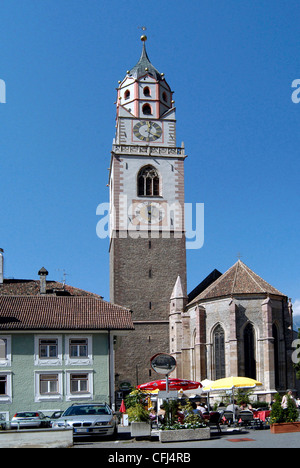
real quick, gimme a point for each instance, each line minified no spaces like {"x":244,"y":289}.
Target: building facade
{"x":237,"y":325}
{"x":56,"y":346}
{"x":147,"y":248}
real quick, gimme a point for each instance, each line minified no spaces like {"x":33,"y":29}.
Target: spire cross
{"x":239,"y":255}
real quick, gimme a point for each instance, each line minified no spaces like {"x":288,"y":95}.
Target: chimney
{"x":1,"y":266}
{"x":43,"y":274}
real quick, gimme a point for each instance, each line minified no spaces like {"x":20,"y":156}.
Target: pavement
{"x":229,"y":438}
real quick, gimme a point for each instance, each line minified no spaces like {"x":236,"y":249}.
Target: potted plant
{"x":138,"y":415}
{"x":284,"y":420}
{"x":181,"y":424}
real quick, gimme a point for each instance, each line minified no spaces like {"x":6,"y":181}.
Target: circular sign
{"x":163,"y":363}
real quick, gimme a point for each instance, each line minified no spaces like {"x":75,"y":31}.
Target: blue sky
{"x":231,"y":64}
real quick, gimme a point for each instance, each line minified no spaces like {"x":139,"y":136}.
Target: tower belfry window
{"x":147,"y":109}
{"x":148,"y":182}
{"x":147,"y":91}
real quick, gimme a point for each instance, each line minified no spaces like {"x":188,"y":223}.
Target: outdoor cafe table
{"x":261,"y":415}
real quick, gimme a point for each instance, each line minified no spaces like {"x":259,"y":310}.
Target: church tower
{"x":147,"y":247}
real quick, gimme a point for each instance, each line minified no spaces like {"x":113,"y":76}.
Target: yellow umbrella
{"x":229,"y":383}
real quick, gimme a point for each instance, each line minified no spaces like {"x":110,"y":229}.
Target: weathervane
{"x":143,"y":37}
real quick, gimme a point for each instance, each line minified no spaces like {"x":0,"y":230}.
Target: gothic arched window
{"x":276,"y":353}
{"x":148,"y":182}
{"x":249,"y":351}
{"x":219,"y":352}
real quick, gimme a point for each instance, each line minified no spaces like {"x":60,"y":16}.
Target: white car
{"x":88,"y":419}
{"x":29,"y":419}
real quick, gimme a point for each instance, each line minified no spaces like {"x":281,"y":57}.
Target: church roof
{"x":239,"y":279}
{"x":144,"y":66}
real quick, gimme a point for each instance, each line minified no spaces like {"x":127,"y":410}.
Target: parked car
{"x":56,"y":414}
{"x":88,"y":419}
{"x":2,"y":422}
{"x":29,"y":419}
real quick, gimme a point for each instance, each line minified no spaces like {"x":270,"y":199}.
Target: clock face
{"x":148,"y":213}
{"x":146,"y":130}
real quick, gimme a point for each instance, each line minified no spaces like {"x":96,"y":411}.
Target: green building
{"x":56,"y":346}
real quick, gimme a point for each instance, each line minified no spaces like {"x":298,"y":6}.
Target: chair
{"x":246,"y":418}
{"x":228,"y":415}
{"x":214,"y":420}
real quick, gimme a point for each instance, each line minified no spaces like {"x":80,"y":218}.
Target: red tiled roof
{"x":15,"y":287}
{"x":239,"y":279}
{"x":62,"y":313}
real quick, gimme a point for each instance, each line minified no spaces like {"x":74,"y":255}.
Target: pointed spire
{"x":144,"y":66}
{"x":177,"y":290}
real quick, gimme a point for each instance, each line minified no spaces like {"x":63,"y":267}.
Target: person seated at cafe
{"x":245,"y":407}
{"x":196,"y":410}
{"x":201,"y":407}
{"x":234,"y":408}
{"x":152,"y":414}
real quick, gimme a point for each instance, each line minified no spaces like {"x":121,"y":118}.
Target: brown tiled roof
{"x":15,"y":287}
{"x":62,"y":313}
{"x":239,"y":279}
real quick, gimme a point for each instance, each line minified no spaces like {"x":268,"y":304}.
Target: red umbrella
{"x":174,"y":384}
{"x":122,"y":409}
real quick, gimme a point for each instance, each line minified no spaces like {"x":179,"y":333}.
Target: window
{"x":249,"y":352}
{"x":79,"y":383}
{"x":3,"y":348}
{"x":219,"y":352}
{"x":48,"y":349}
{"x":164,"y":95}
{"x":127,"y":94}
{"x":48,"y":384}
{"x":78,"y":348}
{"x":3,"y":385}
{"x":148,"y":182}
{"x":5,"y":351}
{"x":147,"y":91}
{"x":147,"y":109}
{"x":276,"y":353}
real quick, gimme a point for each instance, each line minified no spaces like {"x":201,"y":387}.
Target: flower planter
{"x":179,"y":435}
{"x":140,"y":429}
{"x":280,"y":428}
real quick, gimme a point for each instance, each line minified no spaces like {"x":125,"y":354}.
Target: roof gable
{"x":239,"y":279}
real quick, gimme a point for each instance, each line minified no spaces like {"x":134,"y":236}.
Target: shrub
{"x":280,"y":415}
